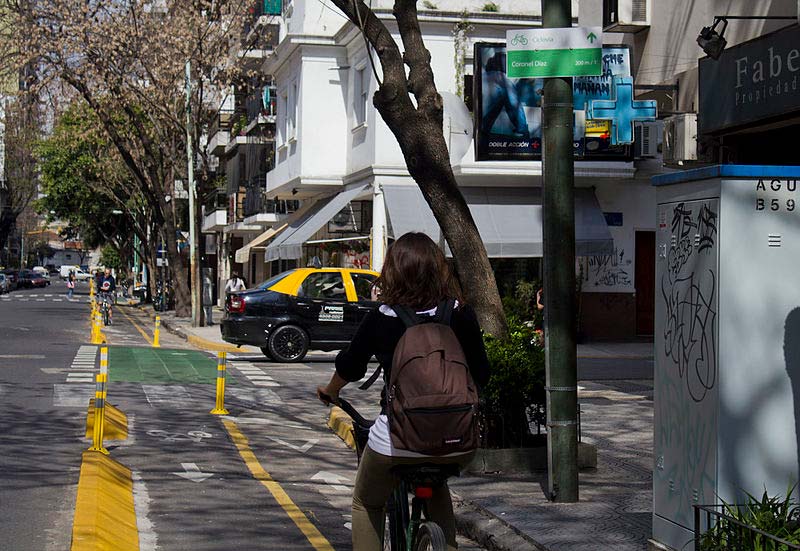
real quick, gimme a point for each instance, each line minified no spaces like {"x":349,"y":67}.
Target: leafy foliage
{"x":778,"y":516}
{"x":516,"y":385}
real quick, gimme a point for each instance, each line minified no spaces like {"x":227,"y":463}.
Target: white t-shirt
{"x":380,"y":439}
{"x":234,"y":285}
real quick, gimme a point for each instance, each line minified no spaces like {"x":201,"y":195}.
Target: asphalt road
{"x":201,"y":481}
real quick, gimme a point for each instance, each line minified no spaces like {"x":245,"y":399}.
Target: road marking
{"x":302,"y":449}
{"x":22,"y":356}
{"x":148,"y":541}
{"x":72,"y":395}
{"x":317,"y":540}
{"x":333,"y":480}
{"x":57,"y":300}
{"x":39,"y":300}
{"x":255,"y":395}
{"x":136,"y":325}
{"x":265,"y":383}
{"x":193,"y":435}
{"x":167,"y":395}
{"x":192,"y":472}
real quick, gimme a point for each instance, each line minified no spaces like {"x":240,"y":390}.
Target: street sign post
{"x":562,"y":52}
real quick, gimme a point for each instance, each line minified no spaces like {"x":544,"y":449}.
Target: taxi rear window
{"x":275,"y":279}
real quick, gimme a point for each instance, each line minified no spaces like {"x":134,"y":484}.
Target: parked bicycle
{"x":406,"y":531}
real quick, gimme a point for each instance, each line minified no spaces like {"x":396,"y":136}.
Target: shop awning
{"x":508,"y":219}
{"x":289,"y":244}
{"x":243,"y":254}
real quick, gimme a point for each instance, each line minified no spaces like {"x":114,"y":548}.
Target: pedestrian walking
{"x":70,"y":285}
{"x":235,"y":284}
{"x":418,"y":292}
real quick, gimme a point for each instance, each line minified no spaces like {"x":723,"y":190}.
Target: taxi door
{"x":321,"y":303}
{"x":360,"y":295}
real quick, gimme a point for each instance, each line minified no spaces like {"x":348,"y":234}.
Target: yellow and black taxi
{"x":298,"y":310}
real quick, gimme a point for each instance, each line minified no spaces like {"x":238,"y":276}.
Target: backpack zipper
{"x":434,"y":410}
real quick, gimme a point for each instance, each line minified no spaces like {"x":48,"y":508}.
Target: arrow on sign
{"x":302,"y":449}
{"x":333,"y":479}
{"x":192,"y":472}
{"x":591,"y":37}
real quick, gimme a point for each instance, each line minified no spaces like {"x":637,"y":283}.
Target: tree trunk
{"x":180,"y":271}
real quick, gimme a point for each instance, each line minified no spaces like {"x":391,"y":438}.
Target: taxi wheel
{"x":266,"y":352}
{"x":288,"y":343}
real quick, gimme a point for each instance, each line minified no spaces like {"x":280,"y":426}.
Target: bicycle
{"x":406,"y":531}
{"x":105,"y":307}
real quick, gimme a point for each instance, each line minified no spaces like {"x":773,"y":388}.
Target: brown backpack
{"x":432,"y":399}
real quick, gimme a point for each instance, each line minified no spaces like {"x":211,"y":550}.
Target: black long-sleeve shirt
{"x":379,"y":333}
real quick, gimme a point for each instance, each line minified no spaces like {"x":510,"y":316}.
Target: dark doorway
{"x":645,"y":282}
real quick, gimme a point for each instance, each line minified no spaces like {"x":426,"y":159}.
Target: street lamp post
{"x":194,"y":279}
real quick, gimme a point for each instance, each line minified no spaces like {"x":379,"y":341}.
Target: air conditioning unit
{"x":646,"y":137}
{"x":680,"y":138}
{"x":626,"y":16}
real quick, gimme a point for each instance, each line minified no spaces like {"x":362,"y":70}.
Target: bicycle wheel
{"x":394,"y":534}
{"x":430,"y":537}
{"x":105,"y":316}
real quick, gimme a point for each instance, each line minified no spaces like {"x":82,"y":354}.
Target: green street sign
{"x":542,"y":53}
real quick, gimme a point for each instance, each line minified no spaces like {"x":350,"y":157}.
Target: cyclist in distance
{"x":107,"y":287}
{"x":416,"y":276}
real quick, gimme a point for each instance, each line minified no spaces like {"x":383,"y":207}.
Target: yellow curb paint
{"x":211,"y":345}
{"x":136,"y":325}
{"x":317,"y":540}
{"x":105,"y":518}
{"x":116,"y":423}
{"x":341,"y":424}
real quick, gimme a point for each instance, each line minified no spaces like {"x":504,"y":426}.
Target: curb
{"x":104,"y":513}
{"x":115,"y":426}
{"x":472,"y":520}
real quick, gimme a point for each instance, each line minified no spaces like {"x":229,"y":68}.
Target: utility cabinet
{"x":727,"y":340}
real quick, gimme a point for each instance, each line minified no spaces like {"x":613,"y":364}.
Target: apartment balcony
{"x":215,"y":221}
{"x":218,"y":142}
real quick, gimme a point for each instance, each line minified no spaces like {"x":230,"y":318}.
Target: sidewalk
{"x":510,"y":512}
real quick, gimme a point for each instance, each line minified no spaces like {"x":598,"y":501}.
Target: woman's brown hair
{"x":416,"y":274}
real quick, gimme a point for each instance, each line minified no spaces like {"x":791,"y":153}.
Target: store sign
{"x":563,"y":52}
{"x":508,"y":111}
{"x":751,"y":82}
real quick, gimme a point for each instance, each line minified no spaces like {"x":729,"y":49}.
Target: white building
{"x":335,"y":154}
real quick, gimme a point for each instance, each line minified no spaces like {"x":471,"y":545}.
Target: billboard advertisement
{"x":508,"y":111}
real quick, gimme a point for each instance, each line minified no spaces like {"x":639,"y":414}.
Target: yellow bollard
{"x":157,"y":333}
{"x":100,"y":403}
{"x":222,"y":359}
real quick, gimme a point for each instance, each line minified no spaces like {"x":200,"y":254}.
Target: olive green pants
{"x":375,"y":482}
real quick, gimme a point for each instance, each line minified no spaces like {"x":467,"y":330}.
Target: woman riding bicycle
{"x":415,"y":275}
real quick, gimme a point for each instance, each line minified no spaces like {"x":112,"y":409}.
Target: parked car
{"x":4,"y":286}
{"x":298,"y":310}
{"x":38,"y":280}
{"x":42,"y":271}
{"x":12,"y":276}
{"x":25,"y":279}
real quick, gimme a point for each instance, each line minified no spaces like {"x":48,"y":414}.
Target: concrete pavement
{"x":505,"y":512}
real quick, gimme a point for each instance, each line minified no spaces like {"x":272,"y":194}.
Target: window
{"x":360,"y":95}
{"x":328,"y":285}
{"x":363,"y":284}
{"x":291,"y":111}
{"x":283,"y":116}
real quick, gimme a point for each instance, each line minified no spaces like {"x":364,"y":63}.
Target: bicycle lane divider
{"x":312,"y":534}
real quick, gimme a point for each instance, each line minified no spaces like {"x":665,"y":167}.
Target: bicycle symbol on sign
{"x":519,"y":40}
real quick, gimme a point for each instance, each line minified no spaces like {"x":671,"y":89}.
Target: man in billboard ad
{"x":508,"y":111}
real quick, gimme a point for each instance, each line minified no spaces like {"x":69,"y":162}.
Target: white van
{"x":64,"y":271}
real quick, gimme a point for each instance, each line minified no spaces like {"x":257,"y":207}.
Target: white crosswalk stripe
{"x":83,"y":368}
{"x":254,"y":374}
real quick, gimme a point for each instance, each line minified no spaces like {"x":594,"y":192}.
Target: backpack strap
{"x":445,"y":311}
{"x":406,"y":315}
{"x":372,"y":378}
